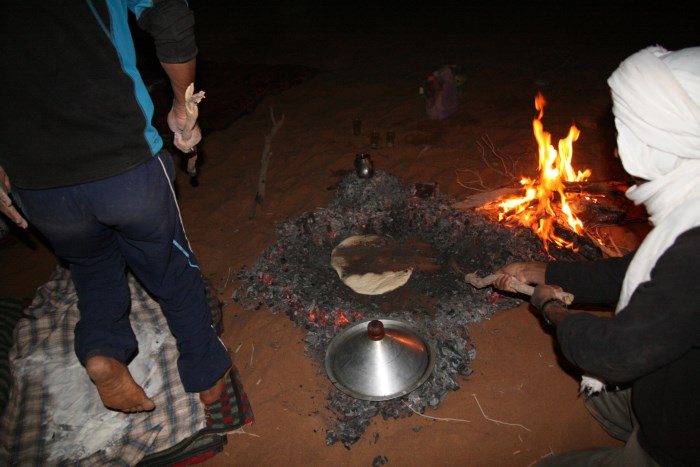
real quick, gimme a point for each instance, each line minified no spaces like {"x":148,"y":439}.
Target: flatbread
{"x":365,"y":263}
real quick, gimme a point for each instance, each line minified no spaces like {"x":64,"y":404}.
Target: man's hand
{"x":552,"y":309}
{"x":6,"y":206}
{"x":543,"y":294}
{"x":525,"y":272}
{"x":182,"y":118}
{"x":185,"y":139}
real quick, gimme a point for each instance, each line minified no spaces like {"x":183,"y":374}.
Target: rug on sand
{"x":54,"y":414}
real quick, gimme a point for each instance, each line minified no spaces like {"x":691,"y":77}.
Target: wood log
{"x":607,"y":187}
{"x":480,"y":199}
{"x":598,"y":186}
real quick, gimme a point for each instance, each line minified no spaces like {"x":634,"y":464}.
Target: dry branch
{"x":498,"y":422}
{"x":265,"y":161}
{"x":505,"y":167}
{"x":613,"y":252}
{"x":441,"y":419}
{"x":507,"y":163}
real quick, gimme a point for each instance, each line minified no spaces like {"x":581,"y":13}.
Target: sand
{"x":521,"y":403}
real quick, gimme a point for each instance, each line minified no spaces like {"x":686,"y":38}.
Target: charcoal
{"x":294,"y":276}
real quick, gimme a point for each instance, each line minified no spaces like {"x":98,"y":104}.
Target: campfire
{"x":537,"y":209}
{"x":547,"y":205}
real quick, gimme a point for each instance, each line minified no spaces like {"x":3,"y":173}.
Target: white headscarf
{"x":656,"y":104}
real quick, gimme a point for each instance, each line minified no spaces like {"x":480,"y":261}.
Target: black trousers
{"x":613,"y":410}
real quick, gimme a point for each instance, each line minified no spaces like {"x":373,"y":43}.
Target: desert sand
{"x":520,"y":403}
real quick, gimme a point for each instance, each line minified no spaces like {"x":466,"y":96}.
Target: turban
{"x":656,"y":104}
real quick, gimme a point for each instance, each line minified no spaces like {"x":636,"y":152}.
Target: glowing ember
{"x":537,"y":209}
{"x":342,"y":319}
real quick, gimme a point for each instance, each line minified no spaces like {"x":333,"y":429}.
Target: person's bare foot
{"x":211,"y":395}
{"x":116,"y":386}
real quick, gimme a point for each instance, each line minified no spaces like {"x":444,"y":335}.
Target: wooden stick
{"x":610,"y":253}
{"x":481,"y":282}
{"x":481,"y":199}
{"x":265,"y":161}
{"x":191,"y":112}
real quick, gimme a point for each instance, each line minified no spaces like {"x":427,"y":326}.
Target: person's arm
{"x":597,"y":281}
{"x":181,"y":75}
{"x":659,"y":324}
{"x":590,"y":282}
{"x":171,"y":24}
{"x":552,"y":309}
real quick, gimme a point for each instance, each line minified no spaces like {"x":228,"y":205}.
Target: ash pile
{"x":295,"y":276}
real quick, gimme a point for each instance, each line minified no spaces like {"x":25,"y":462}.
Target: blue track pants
{"x":133,"y":220}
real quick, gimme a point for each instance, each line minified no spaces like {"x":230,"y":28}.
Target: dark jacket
{"x":75,"y":108}
{"x":652,"y":344}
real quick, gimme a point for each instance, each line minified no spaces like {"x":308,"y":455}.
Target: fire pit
{"x":295,"y":276}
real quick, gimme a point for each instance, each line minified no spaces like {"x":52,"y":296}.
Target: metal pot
{"x":364,"y":165}
{"x":379,"y":359}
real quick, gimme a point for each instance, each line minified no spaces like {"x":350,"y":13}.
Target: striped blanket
{"x":11,"y":310}
{"x":54,"y":414}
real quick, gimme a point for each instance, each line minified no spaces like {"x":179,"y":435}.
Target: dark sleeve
{"x":660,"y":323}
{"x":597,"y":282}
{"x":171,"y":24}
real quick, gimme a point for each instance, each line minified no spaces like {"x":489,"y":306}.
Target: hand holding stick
{"x":191,"y":112}
{"x":481,"y":282}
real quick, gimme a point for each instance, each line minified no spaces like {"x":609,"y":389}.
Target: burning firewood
{"x":560,"y":205}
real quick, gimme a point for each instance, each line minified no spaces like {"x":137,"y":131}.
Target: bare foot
{"x":116,"y":386}
{"x":211,"y":395}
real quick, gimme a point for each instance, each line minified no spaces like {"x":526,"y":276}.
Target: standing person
{"x":648,"y":354}
{"x":88,"y":170}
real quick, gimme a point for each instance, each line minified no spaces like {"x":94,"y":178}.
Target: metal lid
{"x":379,"y":359}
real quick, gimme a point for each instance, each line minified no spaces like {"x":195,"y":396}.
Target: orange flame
{"x":554,"y":168}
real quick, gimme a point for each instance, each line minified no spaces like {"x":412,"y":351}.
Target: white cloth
{"x":656,"y":104}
